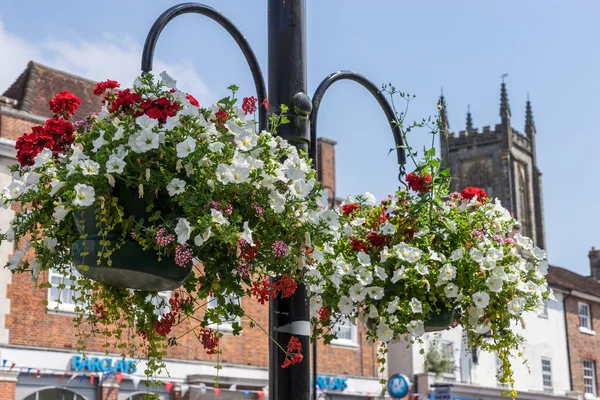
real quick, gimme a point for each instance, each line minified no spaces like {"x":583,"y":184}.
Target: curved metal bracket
{"x":197,"y":8}
{"x":370,"y":86}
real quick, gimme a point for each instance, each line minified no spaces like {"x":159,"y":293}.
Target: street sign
{"x":398,"y":386}
{"x":443,"y":393}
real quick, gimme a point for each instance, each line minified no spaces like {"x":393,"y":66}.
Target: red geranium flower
{"x":192,"y":100}
{"x":347,"y":209}
{"x":419,"y":184}
{"x":160,"y":109}
{"x":102,"y":87}
{"x":249,"y":105}
{"x":470,"y":192}
{"x":65,"y":103}
{"x":125,"y":100}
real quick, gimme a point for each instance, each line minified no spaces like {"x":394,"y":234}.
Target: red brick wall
{"x":8,"y":385}
{"x":582,"y":346}
{"x":28,"y":315}
{"x":11,"y":127}
{"x":326,"y":162}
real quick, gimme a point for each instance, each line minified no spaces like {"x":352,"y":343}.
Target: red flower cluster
{"x":358,"y":245}
{"x":377,"y":240}
{"x":101,"y":313}
{"x":209,"y":340}
{"x":247,"y":251}
{"x":166,"y":322}
{"x":470,"y":192}
{"x":56,"y":135}
{"x":420,"y":184}
{"x":347,"y":209}
{"x":125,"y":100}
{"x":160,"y":109}
{"x":265,"y":103}
{"x":192,"y":100}
{"x":324,"y":314}
{"x":294,"y":352}
{"x":264,"y":291}
{"x":249,"y":105}
{"x":65,"y":103}
{"x":286,"y":285}
{"x":102,"y":87}
{"x":221,"y":117}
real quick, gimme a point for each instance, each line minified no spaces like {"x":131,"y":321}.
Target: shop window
{"x":585,"y":317}
{"x":59,"y":297}
{"x":54,"y":394}
{"x":346,"y":332}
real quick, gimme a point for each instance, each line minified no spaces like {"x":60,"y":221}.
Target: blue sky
{"x":549,"y":49}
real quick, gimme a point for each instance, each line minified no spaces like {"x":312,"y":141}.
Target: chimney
{"x":594,"y":256}
{"x":326,"y":162}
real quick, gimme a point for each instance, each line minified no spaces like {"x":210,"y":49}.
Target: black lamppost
{"x":287,"y":85}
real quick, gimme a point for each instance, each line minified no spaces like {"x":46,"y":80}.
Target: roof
{"x":564,"y":278}
{"x":39,"y":83}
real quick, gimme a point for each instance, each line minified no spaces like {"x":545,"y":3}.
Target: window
{"x":226,"y":323}
{"x":62,"y":298}
{"x":161,"y":302}
{"x":447,"y":350}
{"x":346,"y":332}
{"x":544,"y":312}
{"x":547,"y":374}
{"x":585,"y":318}
{"x":589,"y":377}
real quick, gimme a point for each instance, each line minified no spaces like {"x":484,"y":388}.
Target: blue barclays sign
{"x":96,"y":364}
{"x":330,"y":382}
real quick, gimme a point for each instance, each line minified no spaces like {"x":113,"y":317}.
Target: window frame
{"x":588,"y":317}
{"x":353,"y":341}
{"x":223,"y":326}
{"x":544,"y":312}
{"x":592,"y":377}
{"x":547,"y":362}
{"x":53,"y":304}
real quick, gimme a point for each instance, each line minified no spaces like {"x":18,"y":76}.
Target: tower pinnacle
{"x":529,"y":124}
{"x":504,"y":107}
{"x":469,"y":119}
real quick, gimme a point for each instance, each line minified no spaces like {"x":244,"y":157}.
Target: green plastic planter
{"x":132,"y":267}
{"x":439,"y":321}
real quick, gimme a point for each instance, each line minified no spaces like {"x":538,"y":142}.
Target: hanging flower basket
{"x":157,"y":193}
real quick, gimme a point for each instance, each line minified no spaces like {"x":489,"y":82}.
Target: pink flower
{"x":455,"y":196}
{"x":281,"y":249}
{"x":497,"y":238}
{"x":258,"y":209}
{"x":509,"y":241}
{"x":477,"y":233}
{"x":183,"y":255}
{"x":163,"y":238}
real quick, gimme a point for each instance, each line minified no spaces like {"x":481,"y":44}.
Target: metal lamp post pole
{"x":287,"y":85}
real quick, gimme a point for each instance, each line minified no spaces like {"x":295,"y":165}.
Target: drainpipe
{"x":567,"y":334}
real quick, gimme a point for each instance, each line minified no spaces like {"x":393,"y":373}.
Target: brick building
{"x":582,"y":305}
{"x":37,"y":348}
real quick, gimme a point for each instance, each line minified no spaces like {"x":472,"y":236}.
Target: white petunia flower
{"x":146,"y":140}
{"x":543,"y":267}
{"x":146,"y":123}
{"x":415,"y":306}
{"x":167,"y":80}
{"x":240,"y":173}
{"x":387,"y":228}
{"x":495,"y":254}
{"x":373,"y":313}
{"x":476,"y":254}
{"x":246,"y":234}
{"x":345,"y":305}
{"x":183,"y":230}
{"x":200,"y":239}
{"x":364,"y":276}
{"x":42,"y":158}
{"x":246,"y":140}
{"x":422,"y":269}
{"x":357,"y":292}
{"x":119,"y":133}
{"x":398,"y":274}
{"x":380,"y":272}
{"x":176,"y":186}
{"x":393,"y":305}
{"x":186,"y":147}
{"x":84,"y":195}
{"x":385,"y":254}
{"x":384,"y":332}
{"x":218,"y":217}
{"x":516,"y":306}
{"x":448,"y":272}
{"x":457,"y":254}
{"x":451,"y":290}
{"x":538,"y":253}
{"x":416,"y":328}
{"x":16,"y":260}
{"x":494,"y":283}
{"x":523,"y":242}
{"x":277,"y":201}
{"x":61,"y":213}
{"x":216,"y":147}
{"x":14,"y":189}
{"x":374,"y":292}
{"x":363,"y":258}
{"x":89,"y":167}
{"x":56,"y":185}
{"x":115,"y":165}
{"x":370,"y":199}
{"x":481,"y":299}
{"x":99,"y":142}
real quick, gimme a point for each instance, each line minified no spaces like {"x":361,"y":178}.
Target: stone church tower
{"x":501,"y":161}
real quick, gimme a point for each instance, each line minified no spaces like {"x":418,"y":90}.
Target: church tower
{"x":501,"y":161}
